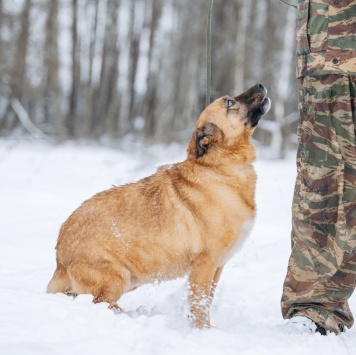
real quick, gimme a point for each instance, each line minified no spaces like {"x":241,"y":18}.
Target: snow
{"x":42,"y":183}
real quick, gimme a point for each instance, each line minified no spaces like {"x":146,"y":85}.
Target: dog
{"x":187,"y":218}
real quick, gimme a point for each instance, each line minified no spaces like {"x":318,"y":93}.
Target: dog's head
{"x":227,"y":124}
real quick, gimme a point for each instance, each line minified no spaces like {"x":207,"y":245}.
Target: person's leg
{"x":322,"y":265}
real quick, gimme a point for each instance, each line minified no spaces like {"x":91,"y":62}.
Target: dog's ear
{"x":204,"y":136}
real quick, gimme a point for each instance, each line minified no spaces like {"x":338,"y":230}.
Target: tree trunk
{"x":19,"y":64}
{"x":282,"y":75}
{"x":242,"y":8}
{"x":151,"y":93}
{"x":134,"y":40}
{"x":192,"y":92}
{"x":1,"y":42}
{"x":52,"y":99}
{"x":106,"y":110}
{"x":136,"y":26}
{"x":256,"y":53}
{"x":73,"y":98}
{"x":88,"y":115}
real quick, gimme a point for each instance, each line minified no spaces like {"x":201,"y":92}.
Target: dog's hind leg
{"x":60,"y":281}
{"x":106,"y":284}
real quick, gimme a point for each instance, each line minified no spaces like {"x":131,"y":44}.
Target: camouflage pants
{"x":322,"y":267}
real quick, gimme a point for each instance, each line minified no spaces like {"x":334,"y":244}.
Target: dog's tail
{"x":60,"y":281}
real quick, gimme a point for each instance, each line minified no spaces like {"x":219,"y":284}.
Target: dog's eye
{"x":230,"y":103}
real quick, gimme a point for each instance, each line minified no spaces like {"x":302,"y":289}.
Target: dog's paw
{"x":115,"y":307}
{"x":71,"y":294}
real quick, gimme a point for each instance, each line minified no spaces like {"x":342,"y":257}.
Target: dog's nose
{"x":259,"y":87}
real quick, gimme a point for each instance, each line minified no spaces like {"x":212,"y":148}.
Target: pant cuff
{"x":323,"y":318}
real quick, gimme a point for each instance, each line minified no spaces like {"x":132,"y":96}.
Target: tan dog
{"x":187,"y":218}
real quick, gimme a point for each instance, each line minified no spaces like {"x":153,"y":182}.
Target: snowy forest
{"x":90,"y":68}
{"x":96,"y":94}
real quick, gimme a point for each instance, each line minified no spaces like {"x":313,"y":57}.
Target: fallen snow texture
{"x":41,"y":184}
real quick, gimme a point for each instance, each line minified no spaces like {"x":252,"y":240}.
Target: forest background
{"x":90,"y":69}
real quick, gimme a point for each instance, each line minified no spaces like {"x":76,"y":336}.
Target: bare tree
{"x":51,"y":67}
{"x":131,"y":58}
{"x":106,"y":106}
{"x":92,"y":7}
{"x":256,"y":42}
{"x":73,"y":98}
{"x":191,"y":100}
{"x":18,"y":72}
{"x":281,"y":76}
{"x":2,"y":67}
{"x":151,"y":93}
{"x":130,"y":102}
{"x":17,"y":68}
{"x":134,"y":38}
{"x":1,"y":43}
{"x":242,"y":8}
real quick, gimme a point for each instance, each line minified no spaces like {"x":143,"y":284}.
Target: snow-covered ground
{"x":42,"y":183}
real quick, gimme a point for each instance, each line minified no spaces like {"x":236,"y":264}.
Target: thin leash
{"x":287,"y":3}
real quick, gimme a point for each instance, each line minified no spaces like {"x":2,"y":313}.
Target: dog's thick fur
{"x":186,"y":218}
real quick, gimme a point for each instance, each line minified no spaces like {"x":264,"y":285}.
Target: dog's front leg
{"x":201,"y":283}
{"x":215,"y":281}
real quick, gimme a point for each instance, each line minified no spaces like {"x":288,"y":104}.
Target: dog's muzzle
{"x":263,"y":105}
